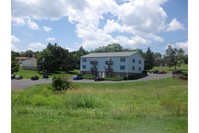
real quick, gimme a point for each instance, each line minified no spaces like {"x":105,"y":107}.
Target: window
{"x":84,"y":59}
{"x":122,"y":59}
{"x":133,"y":60}
{"x":83,"y":66}
{"x":133,"y":68}
{"x":139,"y":61}
{"x":122,"y":67}
{"x":139,"y":68}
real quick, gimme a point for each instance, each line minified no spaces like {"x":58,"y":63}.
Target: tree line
{"x":56,"y":58}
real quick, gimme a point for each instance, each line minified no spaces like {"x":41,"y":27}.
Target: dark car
{"x":45,"y":76}
{"x":12,"y":76}
{"x":77,"y":77}
{"x":34,"y":78}
{"x":18,"y":77}
{"x":99,"y":79}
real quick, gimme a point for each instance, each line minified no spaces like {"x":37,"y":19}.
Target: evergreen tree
{"x":149,"y":60}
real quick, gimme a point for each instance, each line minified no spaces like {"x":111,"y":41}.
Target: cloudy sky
{"x":93,"y":23}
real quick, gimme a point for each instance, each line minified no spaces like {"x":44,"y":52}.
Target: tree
{"x":174,"y":56}
{"x":114,"y":47}
{"x":14,"y":63}
{"x":186,"y":59}
{"x":149,"y":59}
{"x":157,"y":55}
{"x":180,"y":56}
{"x":55,"y":58}
{"x":76,"y":56}
{"x":139,"y":50}
{"x":29,"y":53}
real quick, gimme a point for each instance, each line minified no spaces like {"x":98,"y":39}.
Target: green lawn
{"x":183,"y":67}
{"x":27,"y":74}
{"x":158,"y":106}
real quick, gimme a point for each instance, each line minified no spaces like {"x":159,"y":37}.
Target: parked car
{"x":34,"y":78}
{"x":77,"y":77}
{"x":18,"y":77}
{"x":12,"y":76}
{"x":99,"y":79}
{"x":45,"y":76}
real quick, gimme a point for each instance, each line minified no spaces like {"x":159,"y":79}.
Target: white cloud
{"x":14,"y":39}
{"x":143,"y":16}
{"x":183,"y":45}
{"x":142,"y":20}
{"x":33,"y":25}
{"x":47,"y":29}
{"x":18,"y":21}
{"x":14,"y":48}
{"x":36,"y":46}
{"x":112,"y":26}
{"x":50,"y":39}
{"x":174,"y":25}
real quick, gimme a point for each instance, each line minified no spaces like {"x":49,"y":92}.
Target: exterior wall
{"x":29,"y":64}
{"x":101,"y":65}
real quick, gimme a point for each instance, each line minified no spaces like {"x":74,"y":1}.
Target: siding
{"x":116,"y":63}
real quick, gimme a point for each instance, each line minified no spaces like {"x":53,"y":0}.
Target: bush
{"x":116,"y":78}
{"x":60,"y":84}
{"x":177,"y":72}
{"x":162,"y":72}
{"x":156,"y":71}
{"x":135,"y":76}
{"x":185,"y":74}
{"x":88,"y":76}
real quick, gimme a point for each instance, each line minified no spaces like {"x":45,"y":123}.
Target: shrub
{"x":156,"y":71}
{"x":61,"y":84}
{"x":116,"y":78}
{"x":135,"y":76}
{"x":177,"y":72}
{"x":88,"y":76}
{"x":185,"y":74}
{"x":162,"y":72}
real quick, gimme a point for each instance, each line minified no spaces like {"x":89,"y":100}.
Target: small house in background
{"x":123,"y":64}
{"x":21,"y":59}
{"x":160,"y":62}
{"x":27,"y":63}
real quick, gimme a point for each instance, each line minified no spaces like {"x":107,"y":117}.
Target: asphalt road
{"x":24,"y":83}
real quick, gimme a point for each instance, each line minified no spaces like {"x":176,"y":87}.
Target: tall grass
{"x":158,"y":106}
{"x":183,"y":67}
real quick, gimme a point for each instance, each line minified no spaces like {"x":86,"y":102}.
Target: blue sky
{"x":93,"y":23}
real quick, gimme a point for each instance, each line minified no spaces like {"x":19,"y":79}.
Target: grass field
{"x":27,"y":74}
{"x":183,"y":67}
{"x":158,"y":106}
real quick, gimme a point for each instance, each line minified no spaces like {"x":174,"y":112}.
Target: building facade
{"x":121,"y":64}
{"x":29,"y":64}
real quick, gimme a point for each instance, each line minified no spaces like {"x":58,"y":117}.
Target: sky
{"x":94,"y":23}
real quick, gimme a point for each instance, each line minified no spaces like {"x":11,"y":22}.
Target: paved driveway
{"x":23,"y":83}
